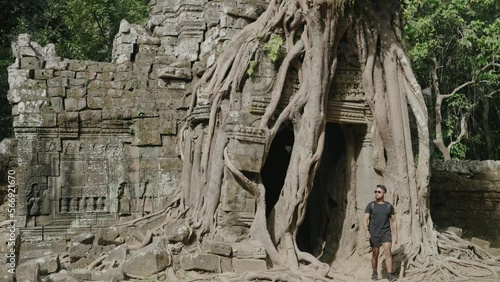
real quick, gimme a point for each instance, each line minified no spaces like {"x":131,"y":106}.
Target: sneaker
{"x":374,"y":276}
{"x":391,"y":277}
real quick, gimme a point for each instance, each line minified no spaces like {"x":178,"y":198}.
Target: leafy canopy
{"x":82,"y":29}
{"x":462,"y":37}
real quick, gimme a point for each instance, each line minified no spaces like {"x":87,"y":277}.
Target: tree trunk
{"x":490,"y":146}
{"x":313,"y":30}
{"x":437,"y":110}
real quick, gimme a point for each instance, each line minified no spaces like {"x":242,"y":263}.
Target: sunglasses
{"x":378,"y":192}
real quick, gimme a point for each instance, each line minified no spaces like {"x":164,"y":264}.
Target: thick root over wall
{"x":312,"y":31}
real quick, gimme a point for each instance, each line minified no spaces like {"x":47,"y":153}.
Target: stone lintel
{"x":199,"y":114}
{"x":259,"y":104}
{"x":246,"y":133}
{"x":346,"y":112}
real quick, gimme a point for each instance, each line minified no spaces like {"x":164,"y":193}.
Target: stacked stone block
{"x":466,"y":194}
{"x":219,"y":257}
{"x":90,"y":134}
{"x":97,"y":141}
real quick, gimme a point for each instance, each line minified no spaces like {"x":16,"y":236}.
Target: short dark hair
{"x":382,"y":187}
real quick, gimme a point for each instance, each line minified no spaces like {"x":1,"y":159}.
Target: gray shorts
{"x":376,"y":241}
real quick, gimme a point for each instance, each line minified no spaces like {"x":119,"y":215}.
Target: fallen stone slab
{"x":107,"y":236}
{"x":113,"y":274}
{"x":177,"y":231}
{"x":81,"y":263}
{"x":62,"y":276}
{"x":84,"y":238}
{"x":203,"y":262}
{"x":48,"y":265}
{"x":78,"y":250}
{"x":217,"y":248}
{"x":480,"y":242}
{"x":27,"y":272}
{"x":118,"y":254}
{"x":148,"y":260}
{"x":244,"y":265}
{"x":249,"y":250}
{"x":81,"y":274}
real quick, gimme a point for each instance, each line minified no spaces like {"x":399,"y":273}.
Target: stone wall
{"x":8,"y":162}
{"x":466,"y":194}
{"x":97,"y":142}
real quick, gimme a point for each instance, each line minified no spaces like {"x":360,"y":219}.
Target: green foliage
{"x":273,"y":47}
{"x":455,"y":107}
{"x":458,"y":101}
{"x":251,"y":68}
{"x":140,"y":114}
{"x":463,"y":37}
{"x":458,"y":151}
{"x":81,"y":29}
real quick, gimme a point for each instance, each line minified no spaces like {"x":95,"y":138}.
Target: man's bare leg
{"x":375,"y":253}
{"x":388,"y":256}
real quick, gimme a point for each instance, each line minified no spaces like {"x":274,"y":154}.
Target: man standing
{"x":380,"y":224}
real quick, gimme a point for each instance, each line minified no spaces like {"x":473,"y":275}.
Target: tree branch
{"x":463,"y":130}
{"x":101,"y":29}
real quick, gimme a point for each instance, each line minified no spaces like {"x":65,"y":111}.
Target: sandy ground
{"x":337,"y":277}
{"x":359,"y":271}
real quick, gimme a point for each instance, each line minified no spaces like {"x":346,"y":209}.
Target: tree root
{"x":6,"y":222}
{"x":168,"y":207}
{"x":142,"y":278}
{"x":145,"y":241}
{"x":462,"y":260}
{"x":97,"y":261}
{"x":313,"y":31}
{"x":284,"y":276}
{"x":317,"y":266}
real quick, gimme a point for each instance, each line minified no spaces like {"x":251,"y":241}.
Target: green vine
{"x":140,"y":114}
{"x":252,"y":66}
{"x":458,"y":151}
{"x":273,"y":46}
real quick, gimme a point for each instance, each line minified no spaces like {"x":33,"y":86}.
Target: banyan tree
{"x":271,"y":87}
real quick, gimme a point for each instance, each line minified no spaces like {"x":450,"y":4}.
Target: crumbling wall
{"x":8,"y":166}
{"x":466,"y":194}
{"x":97,"y":142}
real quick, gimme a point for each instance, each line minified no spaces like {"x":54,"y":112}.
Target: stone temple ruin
{"x":97,"y":142}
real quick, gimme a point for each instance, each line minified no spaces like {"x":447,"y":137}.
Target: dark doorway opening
{"x":319,"y":234}
{"x":274,"y":170}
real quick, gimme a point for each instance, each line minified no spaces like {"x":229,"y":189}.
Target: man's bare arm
{"x":394,"y":228}
{"x":366,"y":220}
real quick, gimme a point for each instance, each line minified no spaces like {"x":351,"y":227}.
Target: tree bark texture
{"x":312,"y":31}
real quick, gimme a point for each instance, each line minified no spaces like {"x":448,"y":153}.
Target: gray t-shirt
{"x":380,"y":215}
